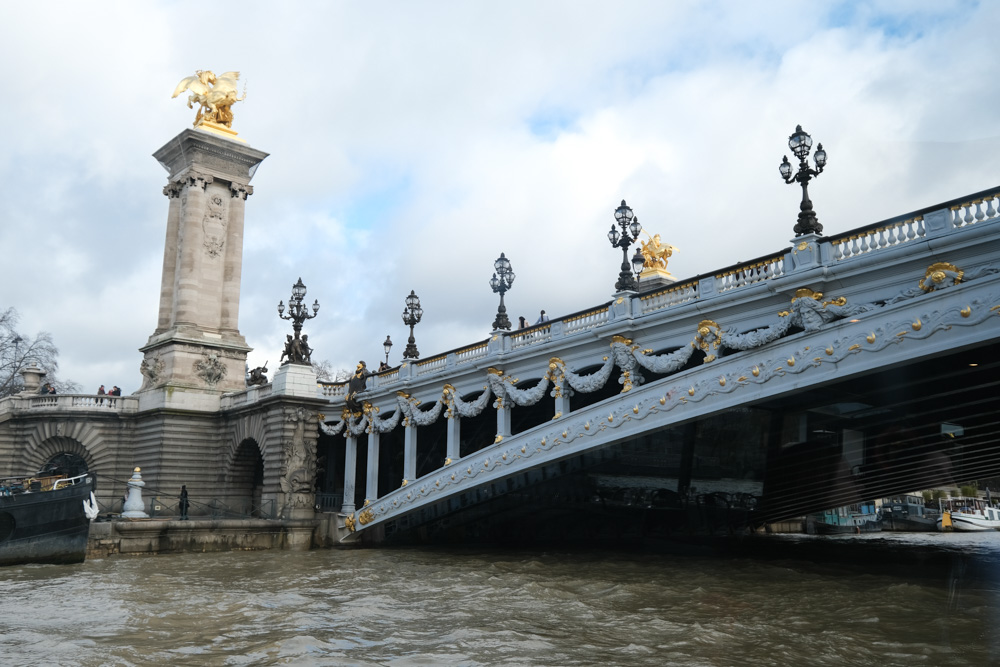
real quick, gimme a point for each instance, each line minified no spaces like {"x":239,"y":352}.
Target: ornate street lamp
{"x":387,"y":345}
{"x":411,"y":315}
{"x":500,"y":285}
{"x":638,"y":263}
{"x":630,"y":232}
{"x":801,"y":143}
{"x":296,"y":349}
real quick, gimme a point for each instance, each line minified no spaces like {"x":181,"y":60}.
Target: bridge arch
{"x":86,"y":439}
{"x":245,"y":465}
{"x":60,"y":449}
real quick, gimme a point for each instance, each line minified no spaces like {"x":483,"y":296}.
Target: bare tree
{"x":325,"y":373}
{"x":18,"y":351}
{"x":324,"y":370}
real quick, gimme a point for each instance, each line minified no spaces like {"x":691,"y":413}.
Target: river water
{"x":917,"y":599}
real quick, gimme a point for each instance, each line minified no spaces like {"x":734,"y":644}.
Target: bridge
{"x":837,"y":370}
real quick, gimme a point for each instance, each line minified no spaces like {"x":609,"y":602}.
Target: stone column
{"x":503,"y":422}
{"x":371,"y":491}
{"x":454,"y":437}
{"x":409,"y":453}
{"x":233,"y":269}
{"x":187,"y":272}
{"x":350,"y":470}
{"x":173,"y":191}
{"x":562,"y":403}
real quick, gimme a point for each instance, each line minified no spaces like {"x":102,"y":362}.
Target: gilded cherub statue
{"x":215,"y":96}
{"x":655,"y":252}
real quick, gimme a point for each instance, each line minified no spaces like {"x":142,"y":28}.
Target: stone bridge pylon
{"x":241,"y":452}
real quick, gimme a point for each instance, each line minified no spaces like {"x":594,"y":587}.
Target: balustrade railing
{"x":535,"y":334}
{"x":592,"y":318}
{"x":869,"y":240}
{"x":332,"y":390}
{"x":971,"y":212}
{"x":73,"y":402}
{"x":248,"y":395}
{"x":431,"y":365}
{"x":472,"y":352}
{"x":385,"y":377}
{"x":669,"y":297}
{"x":752,"y":272}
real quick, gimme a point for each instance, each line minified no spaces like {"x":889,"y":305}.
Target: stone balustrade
{"x":249,"y":395}
{"x":69,"y":403}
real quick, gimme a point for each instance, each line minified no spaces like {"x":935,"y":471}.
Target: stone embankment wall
{"x":153,"y":536}
{"x":158,"y":536}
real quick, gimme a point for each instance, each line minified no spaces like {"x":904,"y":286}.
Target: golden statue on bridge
{"x":656,"y":253}
{"x":215,"y":96}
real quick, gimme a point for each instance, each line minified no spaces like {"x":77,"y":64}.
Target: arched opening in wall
{"x":65,"y":463}
{"x":611,"y":388}
{"x":479,"y":431}
{"x":60,"y":455}
{"x":526,"y":417}
{"x":246,"y":481}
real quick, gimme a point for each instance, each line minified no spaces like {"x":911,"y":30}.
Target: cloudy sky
{"x":410,"y":143}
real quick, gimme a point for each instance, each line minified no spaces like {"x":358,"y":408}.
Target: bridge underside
{"x":933,"y":422}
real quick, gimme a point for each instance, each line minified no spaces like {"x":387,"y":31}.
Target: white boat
{"x":968,"y":514}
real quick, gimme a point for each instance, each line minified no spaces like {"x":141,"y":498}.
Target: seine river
{"x":918,"y":599}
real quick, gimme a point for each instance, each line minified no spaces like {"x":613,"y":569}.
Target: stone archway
{"x":246,"y":480}
{"x":68,"y":464}
{"x":61,"y":455}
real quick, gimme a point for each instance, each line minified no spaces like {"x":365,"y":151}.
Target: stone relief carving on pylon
{"x":210,"y":369}
{"x":214,"y":224}
{"x":298,"y":467}
{"x":151,"y":369}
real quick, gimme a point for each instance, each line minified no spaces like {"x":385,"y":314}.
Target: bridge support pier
{"x":350,"y":472}
{"x":454,"y":438}
{"x":371,"y":489}
{"x":410,"y":453}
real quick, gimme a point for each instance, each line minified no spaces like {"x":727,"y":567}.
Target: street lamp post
{"x":297,"y":349}
{"x":501,"y":282}
{"x":387,"y":345}
{"x":411,"y":315}
{"x":800,"y":143}
{"x":629,"y":223}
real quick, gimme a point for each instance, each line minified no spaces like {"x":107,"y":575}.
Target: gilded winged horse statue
{"x":215,"y":96}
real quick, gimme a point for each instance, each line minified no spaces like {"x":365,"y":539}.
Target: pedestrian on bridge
{"x":183,"y":505}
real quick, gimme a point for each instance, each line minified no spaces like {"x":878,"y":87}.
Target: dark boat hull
{"x":45,"y":527}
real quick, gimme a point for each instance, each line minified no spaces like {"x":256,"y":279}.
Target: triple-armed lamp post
{"x":298,"y":312}
{"x":801,"y":143}
{"x":501,"y":282}
{"x":629,"y":234}
{"x":411,"y":315}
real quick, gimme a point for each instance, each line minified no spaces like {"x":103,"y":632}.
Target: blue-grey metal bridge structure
{"x":839,"y":369}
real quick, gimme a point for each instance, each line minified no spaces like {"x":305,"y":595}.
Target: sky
{"x":411,"y":143}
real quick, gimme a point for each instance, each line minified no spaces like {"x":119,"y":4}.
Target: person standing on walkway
{"x":101,"y":393}
{"x":184,"y":503}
